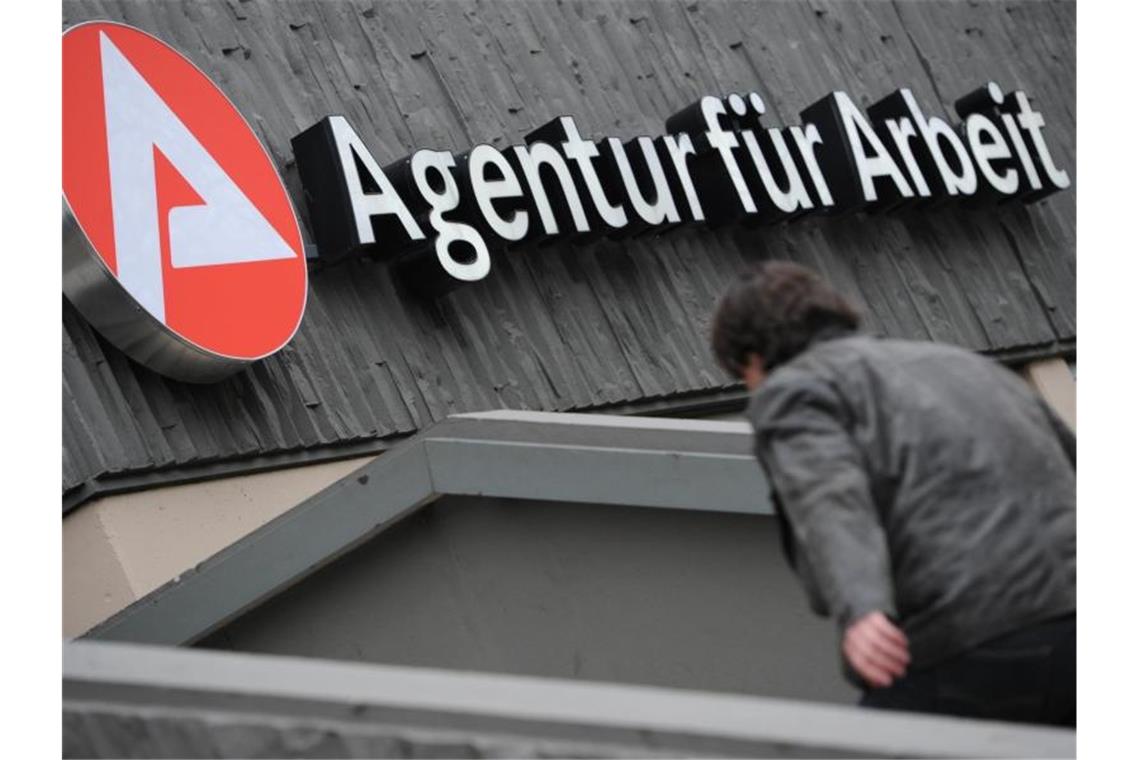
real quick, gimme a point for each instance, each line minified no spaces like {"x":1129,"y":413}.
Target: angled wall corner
{"x":1054,"y":380}
{"x":117,"y":549}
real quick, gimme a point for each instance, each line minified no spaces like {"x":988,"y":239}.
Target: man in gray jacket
{"x":927,"y":499}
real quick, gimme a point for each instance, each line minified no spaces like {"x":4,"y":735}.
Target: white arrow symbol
{"x":226,"y":229}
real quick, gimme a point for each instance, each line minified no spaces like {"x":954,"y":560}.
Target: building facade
{"x":166,"y":482}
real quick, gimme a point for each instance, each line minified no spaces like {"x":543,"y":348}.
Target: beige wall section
{"x":94,"y":584}
{"x":120,"y":548}
{"x":1055,"y":382}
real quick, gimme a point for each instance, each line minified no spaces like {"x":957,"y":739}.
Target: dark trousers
{"x":1029,"y":676}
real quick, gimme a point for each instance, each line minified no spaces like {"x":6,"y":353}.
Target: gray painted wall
{"x":125,"y":700}
{"x":635,"y":595}
{"x":570,"y":328}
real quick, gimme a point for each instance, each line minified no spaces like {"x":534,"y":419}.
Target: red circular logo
{"x":176,"y":195}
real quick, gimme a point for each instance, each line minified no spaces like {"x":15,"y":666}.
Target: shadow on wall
{"x":675,"y":598}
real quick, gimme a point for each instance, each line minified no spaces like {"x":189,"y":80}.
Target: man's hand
{"x":876,"y":649}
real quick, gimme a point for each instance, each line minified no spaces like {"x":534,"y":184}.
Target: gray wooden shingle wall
{"x":562,"y":327}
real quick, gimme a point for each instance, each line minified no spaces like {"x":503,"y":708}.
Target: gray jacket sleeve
{"x":818,"y":473}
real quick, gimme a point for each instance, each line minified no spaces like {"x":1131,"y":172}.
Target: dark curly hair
{"x":775,"y":310}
